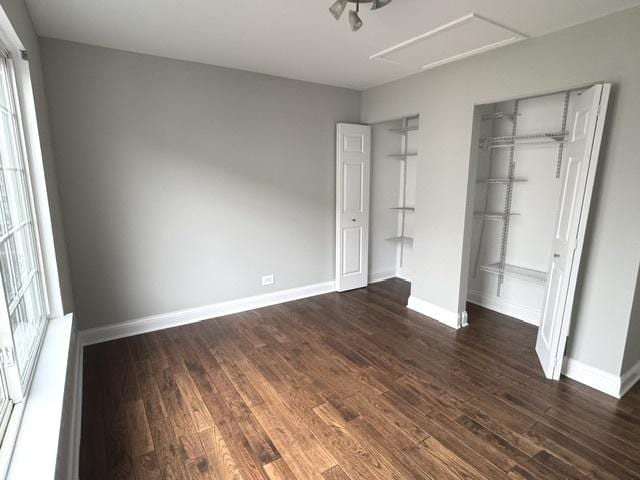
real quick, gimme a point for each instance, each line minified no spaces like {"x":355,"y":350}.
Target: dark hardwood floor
{"x":346,"y":386}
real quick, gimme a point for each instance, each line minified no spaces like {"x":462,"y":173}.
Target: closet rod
{"x":498,"y":116}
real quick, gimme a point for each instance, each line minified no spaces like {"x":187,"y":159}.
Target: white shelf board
{"x":408,"y":240}
{"x":404,"y":130}
{"x":404,"y":209}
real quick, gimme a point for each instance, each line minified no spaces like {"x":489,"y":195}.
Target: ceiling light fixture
{"x":339,"y":6}
{"x":354,"y":19}
{"x":379,"y":4}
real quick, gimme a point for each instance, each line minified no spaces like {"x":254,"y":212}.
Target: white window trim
{"x":38,"y":429}
{"x":34,"y":424}
{"x":36,"y":167}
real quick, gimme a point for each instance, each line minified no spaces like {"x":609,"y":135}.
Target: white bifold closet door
{"x":579,"y":166}
{"x":353,"y":156}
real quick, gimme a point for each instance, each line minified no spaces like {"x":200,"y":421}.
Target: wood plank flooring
{"x":350,"y":386}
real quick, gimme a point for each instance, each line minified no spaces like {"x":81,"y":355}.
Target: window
{"x":23,"y":309}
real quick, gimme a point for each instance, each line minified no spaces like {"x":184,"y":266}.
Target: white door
{"x":353,"y":155}
{"x":580,"y":160}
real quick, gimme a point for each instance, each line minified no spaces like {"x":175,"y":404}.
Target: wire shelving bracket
{"x":565,"y":112}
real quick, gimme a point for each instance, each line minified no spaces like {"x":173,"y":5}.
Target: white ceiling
{"x":291,"y":38}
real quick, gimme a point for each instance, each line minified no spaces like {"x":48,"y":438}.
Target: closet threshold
{"x":404,"y":209}
{"x":521,"y":273}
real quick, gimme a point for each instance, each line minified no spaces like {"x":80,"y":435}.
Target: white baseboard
{"x":191,"y":315}
{"x":592,"y":377}
{"x":629,"y":379}
{"x":451,"y":319}
{"x":515,"y":310}
{"x":403,"y":275}
{"x":381,"y":276}
{"x":76,"y":412}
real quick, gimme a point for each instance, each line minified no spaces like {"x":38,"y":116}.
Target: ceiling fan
{"x":337,"y":9}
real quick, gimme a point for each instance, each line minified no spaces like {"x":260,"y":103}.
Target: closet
{"x":535,"y":164}
{"x":519,"y":164}
{"x":394,"y":159}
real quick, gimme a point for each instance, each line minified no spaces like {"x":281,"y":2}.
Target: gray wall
{"x":604,"y":50}
{"x":182,"y":184}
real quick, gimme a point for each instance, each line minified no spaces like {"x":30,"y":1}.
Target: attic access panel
{"x":467,"y":36}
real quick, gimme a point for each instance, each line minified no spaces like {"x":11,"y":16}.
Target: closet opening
{"x":535,"y":161}
{"x":394,"y":159}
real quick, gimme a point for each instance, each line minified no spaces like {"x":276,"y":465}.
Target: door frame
{"x":586,"y":204}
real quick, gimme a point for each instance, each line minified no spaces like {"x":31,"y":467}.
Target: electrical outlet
{"x":268,"y":280}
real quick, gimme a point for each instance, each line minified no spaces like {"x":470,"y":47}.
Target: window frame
{"x":17,"y":385}
{"x":6,"y":405}
{"x":19,"y":381}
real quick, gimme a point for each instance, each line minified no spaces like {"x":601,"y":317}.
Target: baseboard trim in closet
{"x":381,"y":276}
{"x":451,"y":319}
{"x":403,"y":275}
{"x":521,"y":312}
{"x":629,"y":378}
{"x":192,"y":315}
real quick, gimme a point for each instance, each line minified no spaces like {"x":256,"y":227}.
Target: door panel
{"x":354,"y":143}
{"x":353,"y":180}
{"x":568,"y":201}
{"x":352,"y":205}
{"x":352,"y":246}
{"x":552,"y":308}
{"x":587,"y":113}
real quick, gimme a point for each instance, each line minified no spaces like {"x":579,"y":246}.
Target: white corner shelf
{"x":404,"y":130}
{"x":402,"y":239}
{"x":513,"y":271}
{"x":404,"y":209}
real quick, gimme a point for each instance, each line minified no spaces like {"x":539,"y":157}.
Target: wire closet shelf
{"x":547,"y":138}
{"x":521,"y":273}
